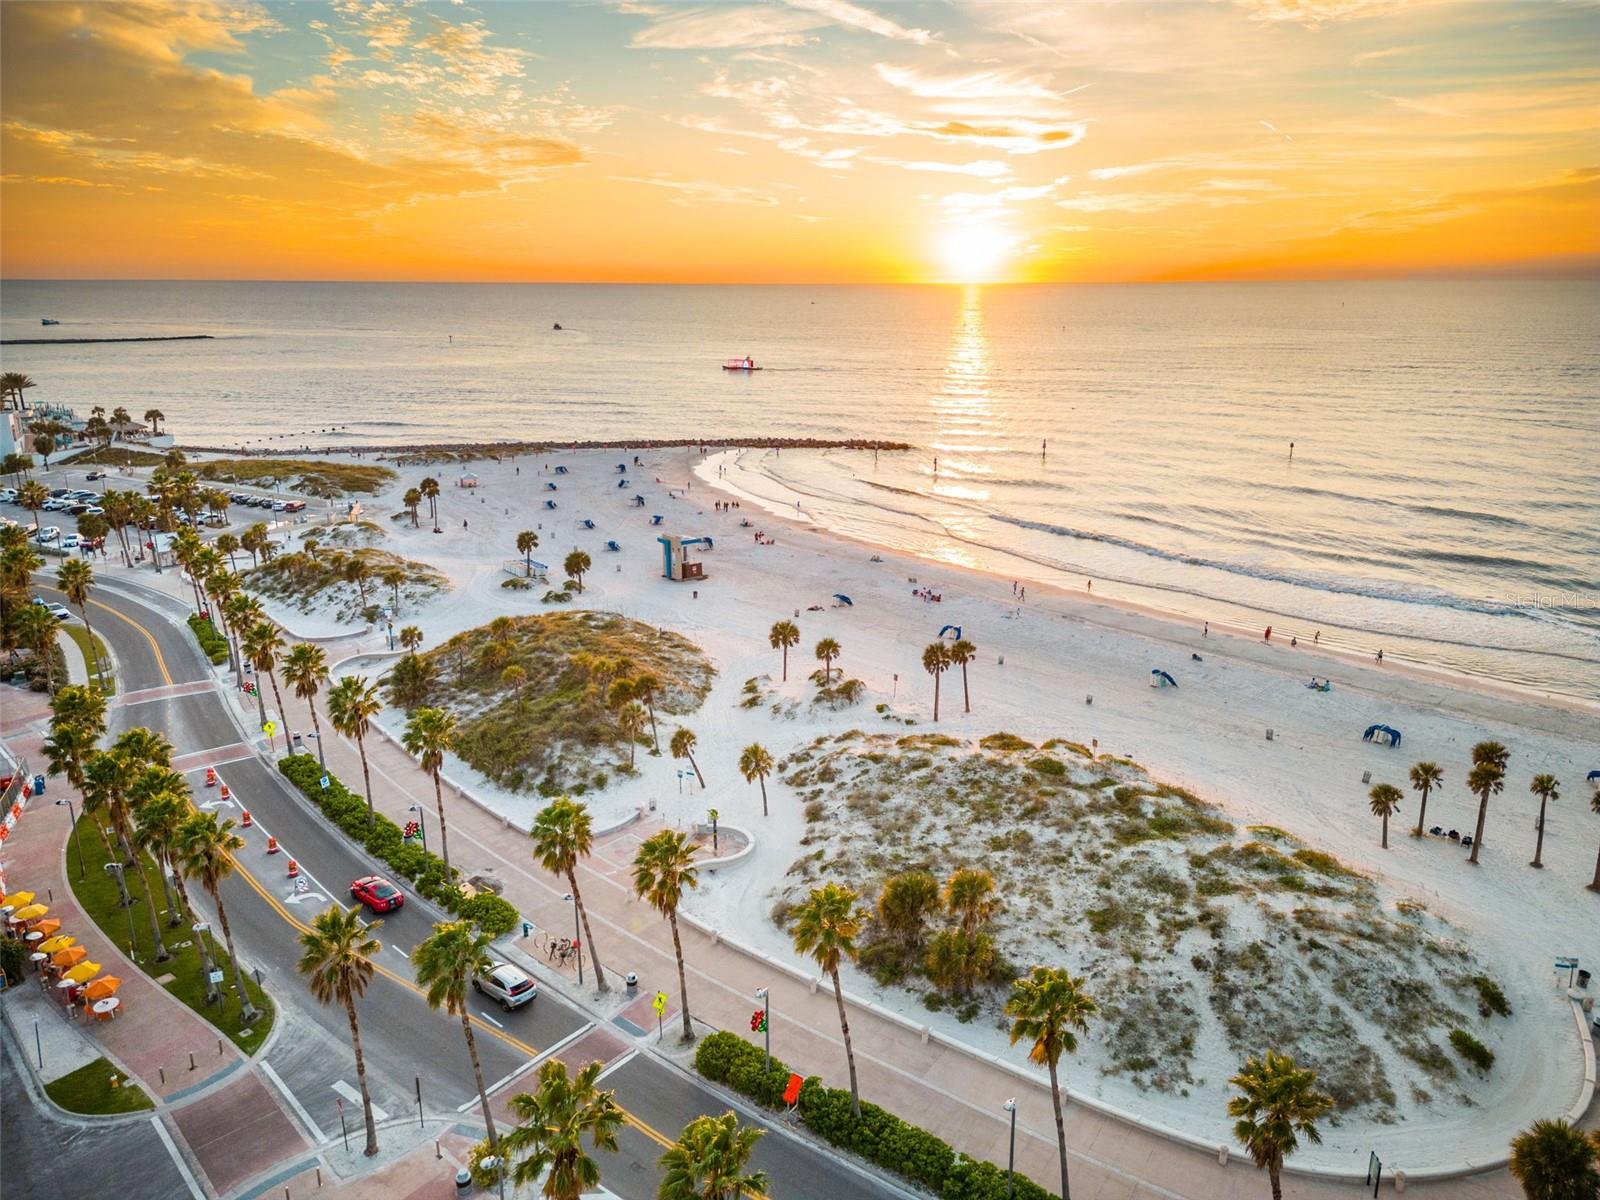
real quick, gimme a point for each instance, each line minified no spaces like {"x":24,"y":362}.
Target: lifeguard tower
{"x":675,"y":561}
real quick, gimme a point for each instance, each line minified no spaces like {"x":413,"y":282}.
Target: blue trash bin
{"x":38,"y":785}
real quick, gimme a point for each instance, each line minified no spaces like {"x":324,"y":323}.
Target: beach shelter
{"x":656,"y":520}
{"x":83,"y":972}
{"x":48,"y":927}
{"x":587,"y":523}
{"x":1382,"y":735}
{"x":30,"y":912}
{"x":844,"y":600}
{"x":622,"y":468}
{"x":561,"y":470}
{"x":550,"y":487}
{"x":19,"y":899}
{"x":549,"y":503}
{"x":70,"y":957}
{"x":1159,"y":678}
{"x":638,"y":501}
{"x":1594,"y":776}
{"x":469,"y":479}
{"x":60,"y":942}
{"x":612,"y":546}
{"x":953,"y":631}
{"x":103,"y":987}
{"x":622,"y":483}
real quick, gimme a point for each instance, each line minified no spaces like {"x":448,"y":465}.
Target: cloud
{"x":1316,"y":13}
{"x":978,"y":85}
{"x":1374,"y":55}
{"x":726,"y":28}
{"x":1132,"y":169}
{"x":982,"y":168}
{"x":705,"y":190}
{"x":1013,"y":137}
{"x":842,"y":12}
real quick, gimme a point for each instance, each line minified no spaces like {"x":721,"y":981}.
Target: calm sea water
{"x":1441,"y":502}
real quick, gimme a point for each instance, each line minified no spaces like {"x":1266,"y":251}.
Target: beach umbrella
{"x":48,"y":927}
{"x":31,"y":913}
{"x":60,"y":942}
{"x":83,"y":972}
{"x":70,"y":957}
{"x":18,"y":899}
{"x":106,"y":985}
{"x":843,"y":599}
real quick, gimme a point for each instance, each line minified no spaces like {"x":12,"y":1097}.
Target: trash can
{"x":1583,"y":976}
{"x":38,"y":788}
{"x":633,"y":982}
{"x":463,"y":1181}
{"x":299,"y":745}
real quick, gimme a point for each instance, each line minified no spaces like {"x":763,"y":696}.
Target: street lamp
{"x":115,"y":868}
{"x":422,"y":825}
{"x":1011,"y":1161}
{"x":76,"y":844}
{"x":577,"y":940}
{"x":763,"y":995}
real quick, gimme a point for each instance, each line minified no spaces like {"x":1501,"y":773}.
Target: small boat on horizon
{"x":48,"y":321}
{"x":741,"y":364}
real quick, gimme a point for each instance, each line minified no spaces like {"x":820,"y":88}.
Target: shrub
{"x":1004,"y":741}
{"x":490,"y":913}
{"x":516,"y":585}
{"x":1491,"y":1000}
{"x":1049,"y":766}
{"x":1471,"y":1049}
{"x":212,"y":643}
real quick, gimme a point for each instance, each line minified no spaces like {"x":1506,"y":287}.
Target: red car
{"x":377,"y":893}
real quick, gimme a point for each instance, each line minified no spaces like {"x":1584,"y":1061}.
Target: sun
{"x":974,"y":253}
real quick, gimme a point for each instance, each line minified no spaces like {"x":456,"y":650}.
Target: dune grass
{"x":88,"y":1090}
{"x":326,"y":479}
{"x":116,"y":456}
{"x":307,"y":580}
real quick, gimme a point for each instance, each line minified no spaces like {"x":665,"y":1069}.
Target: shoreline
{"x":411,"y":455}
{"x":176,"y":337}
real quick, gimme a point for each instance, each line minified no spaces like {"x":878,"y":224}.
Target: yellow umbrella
{"x":49,"y":927}
{"x":60,"y":942}
{"x":20,"y":898}
{"x":31,"y":913}
{"x":83,"y":972}
{"x":105,"y":986}
{"x":70,"y":957}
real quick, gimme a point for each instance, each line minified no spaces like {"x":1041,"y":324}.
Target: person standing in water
{"x":1267,"y":637}
{"x":1291,"y":451}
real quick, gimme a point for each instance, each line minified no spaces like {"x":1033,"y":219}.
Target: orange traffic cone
{"x":225,"y":795}
{"x":211,"y":777}
{"x":246,"y":819}
{"x":294,"y":868}
{"x":272,"y":844}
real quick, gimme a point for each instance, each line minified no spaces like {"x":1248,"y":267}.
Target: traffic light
{"x":758,"y":1021}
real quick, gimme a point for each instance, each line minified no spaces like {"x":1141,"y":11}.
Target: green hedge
{"x":211,"y":642}
{"x":879,"y":1136}
{"x":386,"y":841}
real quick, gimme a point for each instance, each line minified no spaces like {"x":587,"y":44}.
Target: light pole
{"x":115,"y":868}
{"x":577,"y":940}
{"x":422,"y":824}
{"x":765,"y":996}
{"x":1011,"y":1160}
{"x":76,"y":844}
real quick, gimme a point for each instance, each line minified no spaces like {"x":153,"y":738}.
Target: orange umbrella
{"x":49,"y":927}
{"x":31,"y":913}
{"x":105,"y":986}
{"x":83,"y":972}
{"x":60,"y":942}
{"x":70,"y":957}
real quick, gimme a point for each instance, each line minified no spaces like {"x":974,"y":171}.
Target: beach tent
{"x":622,"y":468}
{"x":588,"y":524}
{"x":622,"y":483}
{"x":844,"y":600}
{"x":1159,"y":678}
{"x":638,"y":501}
{"x":550,"y":487}
{"x":953,"y":630}
{"x":612,"y":546}
{"x":468,"y":480}
{"x":1383,"y":735}
{"x":549,"y":503}
{"x":1594,"y":776}
{"x":656,"y":520}
{"x":561,"y":470}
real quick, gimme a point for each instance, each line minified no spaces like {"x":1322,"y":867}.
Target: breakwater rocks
{"x":425,"y":453}
{"x":58,"y":341}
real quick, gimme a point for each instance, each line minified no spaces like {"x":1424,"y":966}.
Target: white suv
{"x":508,"y":985}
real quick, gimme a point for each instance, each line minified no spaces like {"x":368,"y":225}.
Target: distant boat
{"x":48,"y":321}
{"x":558,"y":324}
{"x":740,"y":364}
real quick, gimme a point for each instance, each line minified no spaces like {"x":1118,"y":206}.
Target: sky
{"x":823,"y":141}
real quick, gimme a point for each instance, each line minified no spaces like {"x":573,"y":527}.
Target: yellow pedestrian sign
{"x":269,"y":728}
{"x":659,"y":1003}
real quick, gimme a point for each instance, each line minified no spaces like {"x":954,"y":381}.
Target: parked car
{"x":58,"y":611}
{"x":56,"y":504}
{"x":280,"y":505}
{"x":70,"y":541}
{"x":57,"y":493}
{"x":294,"y":506}
{"x":8,"y":495}
{"x":505,"y":984}
{"x":93,"y":510}
{"x":377,"y":893}
{"x":48,"y":534}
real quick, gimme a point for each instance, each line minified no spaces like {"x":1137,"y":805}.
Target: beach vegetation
{"x":119,"y":456}
{"x":1554,"y":1160}
{"x":1491,"y":1000}
{"x":328,"y":478}
{"x":1471,"y":1049}
{"x":1278,"y":1104}
{"x":340,"y":579}
{"x":783,"y":635}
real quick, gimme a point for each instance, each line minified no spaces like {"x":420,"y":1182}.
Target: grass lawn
{"x":88,"y":1090}
{"x":81,"y":635}
{"x":326,"y":479}
{"x":97,"y":893}
{"x":117,"y":456}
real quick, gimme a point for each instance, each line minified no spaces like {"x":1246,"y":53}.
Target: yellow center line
{"x":277,"y":906}
{"x":161,"y":663}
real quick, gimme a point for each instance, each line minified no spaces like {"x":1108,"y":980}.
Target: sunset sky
{"x":813,"y":140}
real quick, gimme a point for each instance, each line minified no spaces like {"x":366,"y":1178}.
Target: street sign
{"x":659,"y":1003}
{"x":215,"y":977}
{"x":269,"y":728}
{"x":323,"y":783}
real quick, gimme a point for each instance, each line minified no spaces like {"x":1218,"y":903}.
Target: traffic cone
{"x":246,"y":819}
{"x":294,"y":869}
{"x":225,"y":794}
{"x":211,"y":777}
{"x":272,"y":844}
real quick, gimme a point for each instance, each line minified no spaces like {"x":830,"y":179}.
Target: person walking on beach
{"x":1206,"y":632}
{"x":1380,"y":654}
{"x":1267,"y":637}
{"x":1316,"y":638}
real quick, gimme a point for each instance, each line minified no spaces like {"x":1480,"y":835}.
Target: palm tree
{"x":682,"y":746}
{"x":157,"y":819}
{"x":1050,"y":1008}
{"x":306,"y":670}
{"x":430,"y":491}
{"x":936,"y":661}
{"x":337,"y":961}
{"x":1278,"y":1102}
{"x":445,"y":960}
{"x":904,"y":905}
{"x":514,"y":678}
{"x":1544,"y":787}
{"x":755,"y":763}
{"x":36,"y":629}
{"x":32,"y":496}
{"x":1385,"y":799}
{"x":412,"y":500}
{"x":783,"y":635}
{"x":827,"y":650}
{"x":826,"y":925}
{"x":1486,"y":779}
{"x":630,"y":720}
{"x":662,"y":868}
{"x":430,"y":733}
{"x":645,"y":686}
{"x":527,"y":543}
{"x":75,"y":578}
{"x":352,"y":705}
{"x":155,"y":416}
{"x":411,"y":638}
{"x":1554,"y":1160}
{"x":961,"y":653}
{"x":263,"y":644}
{"x":562,"y":834}
{"x":969,"y":895}
{"x":575,"y":565}
{"x":708,"y":1161}
{"x":358,"y":573}
{"x":1594,"y":806}
{"x":206,"y":848}
{"x":1425,"y":776}
{"x":551,"y":1124}
{"x":394,"y":578}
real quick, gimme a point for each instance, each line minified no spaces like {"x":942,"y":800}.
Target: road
{"x":406,"y":1043}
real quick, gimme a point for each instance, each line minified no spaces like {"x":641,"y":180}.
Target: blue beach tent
{"x":612,"y":546}
{"x":549,"y":503}
{"x":588,"y":524}
{"x":561,"y":470}
{"x":549,"y":487}
{"x":622,"y":468}
{"x":1383,"y":735}
{"x":1159,"y":678}
{"x":953,"y":630}
{"x":1594,"y":776}
{"x":656,"y":520}
{"x":844,"y":600}
{"x":622,"y":483}
{"x":638,"y":501}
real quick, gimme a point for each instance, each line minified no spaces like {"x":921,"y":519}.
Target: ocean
{"x":1441,"y":501}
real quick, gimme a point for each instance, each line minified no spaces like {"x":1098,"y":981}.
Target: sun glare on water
{"x":974,"y":253}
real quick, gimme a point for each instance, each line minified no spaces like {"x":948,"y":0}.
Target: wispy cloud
{"x":981,"y":169}
{"x":853,"y":15}
{"x":726,"y":29}
{"x":703,"y":190}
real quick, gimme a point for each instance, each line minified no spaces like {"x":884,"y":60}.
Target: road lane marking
{"x":161,"y":662}
{"x":350,"y":1094}
{"x":183,"y":1167}
{"x":488,"y":1018}
{"x":617,"y":1064}
{"x":294,"y":1103}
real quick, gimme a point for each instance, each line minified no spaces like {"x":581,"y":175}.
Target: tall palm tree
{"x":32,"y":496}
{"x":826,"y":925}
{"x":352,"y":705}
{"x":1425,"y":777}
{"x":1486,"y":779}
{"x":306,"y":670}
{"x":551,"y":1125}
{"x":969,"y":896}
{"x":827,"y":650}
{"x":445,"y":960}
{"x":412,"y":501}
{"x":631,"y":719}
{"x":155,"y":416}
{"x":708,"y":1161}
{"x":336,"y":959}
{"x":562,"y":833}
{"x":75,"y":577}
{"x":527,"y":543}
{"x":783,"y":635}
{"x":394,"y":578}
{"x":755,"y":763}
{"x":1277,"y":1104}
{"x":36,"y":629}
{"x":1555,"y":1160}
{"x":1049,"y":1008}
{"x":575,"y":565}
{"x":263,"y":644}
{"x":645,"y":686}
{"x":936,"y":661}
{"x":243,"y":612}
{"x":963,"y":652}
{"x":206,"y":849}
{"x":662,"y":868}
{"x":1546,"y":788}
{"x":682,"y":746}
{"x":411,"y":638}
{"x":156,"y":823}
{"x":430,"y":491}
{"x":1385,"y":798}
{"x":430,"y":733}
